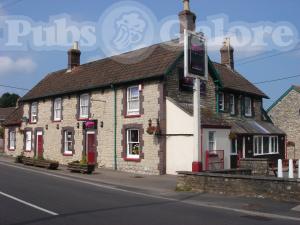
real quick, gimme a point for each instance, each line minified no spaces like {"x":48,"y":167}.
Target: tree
{"x":8,"y":100}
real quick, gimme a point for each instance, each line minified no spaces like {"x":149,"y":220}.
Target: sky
{"x":24,"y":68}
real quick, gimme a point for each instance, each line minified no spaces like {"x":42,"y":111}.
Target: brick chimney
{"x":227,"y":57}
{"x":74,"y":56}
{"x":187,"y":18}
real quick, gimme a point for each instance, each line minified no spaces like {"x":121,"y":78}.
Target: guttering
{"x":115,"y":127}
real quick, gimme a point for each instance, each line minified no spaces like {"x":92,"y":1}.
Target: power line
{"x":13,"y":87}
{"x":267,"y":57}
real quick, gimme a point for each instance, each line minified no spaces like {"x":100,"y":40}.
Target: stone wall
{"x":240,"y":185}
{"x":259,"y":167}
{"x":285,"y":115}
{"x":102,"y":109}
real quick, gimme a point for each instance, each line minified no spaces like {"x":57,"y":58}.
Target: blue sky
{"x":29,"y":67}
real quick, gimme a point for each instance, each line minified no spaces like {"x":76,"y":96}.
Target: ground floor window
{"x":212,"y":141}
{"x":68,"y":142}
{"x":264,"y":145}
{"x":28,"y":140}
{"x":12,"y":140}
{"x":234,"y":147}
{"x":133,"y":143}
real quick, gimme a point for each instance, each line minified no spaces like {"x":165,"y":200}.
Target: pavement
{"x":30,"y":195}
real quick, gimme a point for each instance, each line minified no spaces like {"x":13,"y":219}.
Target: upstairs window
{"x":133,"y":143}
{"x":33,"y":112}
{"x":133,"y":100}
{"x":221,"y":101}
{"x":57,"y":109}
{"x":248,"y":106}
{"x":28,"y":141}
{"x":84,"y":106}
{"x":12,"y":140}
{"x":232,"y":104}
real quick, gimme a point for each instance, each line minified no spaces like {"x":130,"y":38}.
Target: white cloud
{"x":21,"y":65}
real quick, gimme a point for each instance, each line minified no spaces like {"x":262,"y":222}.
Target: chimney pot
{"x":187,"y":18}
{"x":227,"y":54}
{"x":74,"y":56}
{"x":186,"y":5}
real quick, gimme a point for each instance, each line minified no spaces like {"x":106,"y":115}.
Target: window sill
{"x":132,"y":159}
{"x":277,"y":153}
{"x":83,"y":119}
{"x":56,"y":121}
{"x":32,"y":123}
{"x":133,"y":116}
{"x":27,"y":151}
{"x":11,"y":149}
{"x":68,"y":154}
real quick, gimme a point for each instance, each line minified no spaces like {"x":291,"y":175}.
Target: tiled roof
{"x":15,"y":118}
{"x":5,"y":112}
{"x":231,"y":79}
{"x":105,"y":72}
{"x":108,"y":71}
{"x":255,"y":127}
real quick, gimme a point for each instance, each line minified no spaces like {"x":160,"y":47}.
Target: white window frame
{"x":57,"y":109}
{"x":260,"y":151}
{"x":33,"y":112}
{"x":67,"y":151}
{"x":235,"y":149}
{"x":12,"y":140}
{"x":214,"y":141}
{"x":129,"y":155}
{"x":131,"y":99}
{"x":28,"y":142}
{"x":221,"y":102}
{"x":248,"y":110}
{"x":232,"y":104}
{"x":84,"y":103}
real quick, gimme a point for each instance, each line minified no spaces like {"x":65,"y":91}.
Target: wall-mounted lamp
{"x":78,"y":125}
{"x":101,"y":124}
{"x":46,"y":127}
{"x":57,"y":126}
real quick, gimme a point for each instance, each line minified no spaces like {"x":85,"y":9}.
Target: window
{"x":234,"y":147}
{"x":28,"y":136}
{"x":211,"y":141}
{"x":133,"y":100}
{"x":57,"y":109}
{"x":248,"y":106}
{"x":264,"y":145}
{"x":12,"y":140}
{"x":68,"y":142}
{"x":33,"y":110}
{"x":232,"y":104}
{"x":133,"y":144}
{"x":84,"y":106}
{"x":221,"y":101}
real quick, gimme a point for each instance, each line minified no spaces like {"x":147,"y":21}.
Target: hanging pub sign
{"x":195,"y":55}
{"x":90,"y":125}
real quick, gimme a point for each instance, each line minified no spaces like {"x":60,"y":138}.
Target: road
{"x":28,"y":197}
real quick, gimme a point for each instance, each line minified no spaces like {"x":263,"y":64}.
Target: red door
{"x":91,"y":148}
{"x":40,"y":145}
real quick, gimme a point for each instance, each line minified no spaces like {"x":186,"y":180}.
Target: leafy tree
{"x":8,"y":100}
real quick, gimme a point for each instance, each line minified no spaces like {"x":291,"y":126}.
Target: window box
{"x":43,"y":163}
{"x":19,"y":158}
{"x":80,"y":167}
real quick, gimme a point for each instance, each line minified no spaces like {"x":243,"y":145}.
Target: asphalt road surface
{"x":28,"y":197}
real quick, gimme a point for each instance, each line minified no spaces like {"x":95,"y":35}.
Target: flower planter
{"x":28,"y":161}
{"x":48,"y":164}
{"x":81,"y":168}
{"x":19,"y":159}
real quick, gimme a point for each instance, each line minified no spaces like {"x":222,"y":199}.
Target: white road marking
{"x":28,"y":204}
{"x":297,"y":208}
{"x":189,"y":202}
